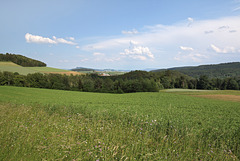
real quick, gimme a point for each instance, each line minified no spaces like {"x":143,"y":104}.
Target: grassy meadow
{"x":12,"y":67}
{"x":41,"y":124}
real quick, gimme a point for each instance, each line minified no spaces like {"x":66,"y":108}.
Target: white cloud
{"x":137,"y":52}
{"x":186,"y":48}
{"x":84,"y":60}
{"x":132,"y":32}
{"x":133,"y":42}
{"x":190,"y":21}
{"x":195,"y":57}
{"x":63,"y":41}
{"x":71,"y":38}
{"x":98,"y":54}
{"x":39,"y":39}
{"x":224,"y":50}
{"x":222,"y":32}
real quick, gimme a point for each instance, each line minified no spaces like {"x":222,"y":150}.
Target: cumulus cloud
{"x":45,"y":40}
{"x":138,"y":52}
{"x":38,"y":39}
{"x":186,"y":48}
{"x":132,"y":32}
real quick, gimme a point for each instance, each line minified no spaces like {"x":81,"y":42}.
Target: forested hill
{"x":21,"y":60}
{"x":223,"y":70}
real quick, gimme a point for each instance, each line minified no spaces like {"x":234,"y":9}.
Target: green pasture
{"x":46,"y":69}
{"x":41,"y":124}
{"x":12,"y":67}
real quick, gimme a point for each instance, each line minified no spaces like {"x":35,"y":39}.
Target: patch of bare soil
{"x":221,"y":97}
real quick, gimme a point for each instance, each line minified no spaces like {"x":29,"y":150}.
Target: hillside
{"x":12,"y":67}
{"x":223,"y":70}
{"x":21,"y":60}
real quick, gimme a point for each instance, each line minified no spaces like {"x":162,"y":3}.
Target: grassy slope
{"x":52,"y":124}
{"x":47,"y":69}
{"x":12,"y":67}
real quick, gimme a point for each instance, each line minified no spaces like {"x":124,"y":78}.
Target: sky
{"x":122,"y":34}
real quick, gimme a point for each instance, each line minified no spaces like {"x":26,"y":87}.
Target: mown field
{"x":41,"y":124}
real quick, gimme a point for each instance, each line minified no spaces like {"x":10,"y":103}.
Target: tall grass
{"x":141,"y":126}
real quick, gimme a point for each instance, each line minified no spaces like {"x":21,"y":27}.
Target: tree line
{"x":21,"y":60}
{"x":136,"y":81}
{"x":223,"y":70}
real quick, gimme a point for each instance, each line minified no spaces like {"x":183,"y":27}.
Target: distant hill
{"x":213,"y":71}
{"x":80,"y":69}
{"x":21,"y":60}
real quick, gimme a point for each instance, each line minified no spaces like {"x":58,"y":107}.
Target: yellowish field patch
{"x":233,"y":98}
{"x":67,"y":73}
{"x":8,"y":64}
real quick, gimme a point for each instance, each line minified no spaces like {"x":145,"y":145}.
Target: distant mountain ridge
{"x":222,"y":70}
{"x":79,"y":69}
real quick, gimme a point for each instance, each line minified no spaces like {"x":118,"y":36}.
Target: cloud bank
{"x":201,"y":41}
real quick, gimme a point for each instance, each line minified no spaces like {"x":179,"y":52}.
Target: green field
{"x":41,"y":124}
{"x":12,"y":67}
{"x":47,"y":69}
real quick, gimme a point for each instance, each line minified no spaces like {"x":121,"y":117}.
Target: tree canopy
{"x":21,"y":60}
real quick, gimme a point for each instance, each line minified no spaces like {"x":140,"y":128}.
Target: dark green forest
{"x":223,"y":70}
{"x":136,"y":81}
{"x":21,"y":60}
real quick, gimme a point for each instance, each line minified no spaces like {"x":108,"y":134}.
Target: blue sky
{"x":122,"y":34}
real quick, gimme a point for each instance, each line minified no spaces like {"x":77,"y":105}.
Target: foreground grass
{"x":90,"y":126}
